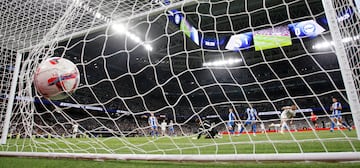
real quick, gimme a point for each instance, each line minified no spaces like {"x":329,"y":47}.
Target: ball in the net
{"x":56,"y":78}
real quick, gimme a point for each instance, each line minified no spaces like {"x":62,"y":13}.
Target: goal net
{"x":223,"y":79}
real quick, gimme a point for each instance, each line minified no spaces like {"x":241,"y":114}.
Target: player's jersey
{"x":75,"y":128}
{"x":287,"y":114}
{"x":313,"y":117}
{"x":152,"y":122}
{"x":231,"y":118}
{"x":251,"y":113}
{"x":335,"y":106}
{"x":171,"y":126}
{"x":163,"y":126}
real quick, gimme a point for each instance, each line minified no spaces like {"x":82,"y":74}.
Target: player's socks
{"x":346,"y":125}
{"x":231,"y":132}
{"x":241,"y":130}
{"x":254,"y":128}
{"x":282,"y":129}
{"x":332,"y":126}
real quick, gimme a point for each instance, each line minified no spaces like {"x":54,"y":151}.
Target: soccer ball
{"x":56,"y":78}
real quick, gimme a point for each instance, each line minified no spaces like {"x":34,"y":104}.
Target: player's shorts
{"x":247,"y":122}
{"x":337,"y":116}
{"x":154,"y":127}
{"x":314,"y":121}
{"x":231,"y":124}
{"x":283,"y":116}
{"x":171,"y":129}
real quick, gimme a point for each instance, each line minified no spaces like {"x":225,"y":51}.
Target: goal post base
{"x":285,"y":157}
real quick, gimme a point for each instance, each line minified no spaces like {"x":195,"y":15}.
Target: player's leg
{"x":315,"y":124}
{"x":243,"y":127}
{"x":156,"y":131}
{"x":152,"y":132}
{"x":199,"y":135}
{"x":254,"y":128}
{"x":283,"y":125}
{"x":333,"y":121}
{"x":239,"y":129}
{"x":231,"y":128}
{"x":171,"y":132}
{"x":344,"y":124}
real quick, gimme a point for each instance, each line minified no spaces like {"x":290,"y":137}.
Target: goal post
{"x":348,"y":70}
{"x":225,"y":80}
{"x":10,"y":99}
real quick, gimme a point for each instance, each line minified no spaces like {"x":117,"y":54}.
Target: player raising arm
{"x":287,"y":113}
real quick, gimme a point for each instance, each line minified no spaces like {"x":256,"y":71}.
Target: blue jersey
{"x":251,"y":113}
{"x":153,"y":122}
{"x":336,"y":112}
{"x":231,"y":119}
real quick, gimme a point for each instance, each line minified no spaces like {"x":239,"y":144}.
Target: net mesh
{"x":184,"y":61}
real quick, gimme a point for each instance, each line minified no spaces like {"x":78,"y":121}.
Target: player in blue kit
{"x":153,"y":123}
{"x":336,"y":115}
{"x":251,"y":120}
{"x":171,"y":128}
{"x":231,"y":122}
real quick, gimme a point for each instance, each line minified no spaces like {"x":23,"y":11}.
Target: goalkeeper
{"x":206,"y":128}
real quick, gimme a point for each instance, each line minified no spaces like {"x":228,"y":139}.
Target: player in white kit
{"x":287,"y":113}
{"x":75,"y":130}
{"x":163,"y":128}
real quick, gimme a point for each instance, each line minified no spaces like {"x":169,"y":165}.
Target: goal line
{"x":328,"y":157}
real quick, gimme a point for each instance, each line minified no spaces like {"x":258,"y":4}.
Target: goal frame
{"x":328,"y":156}
{"x":285,"y":157}
{"x":344,"y":64}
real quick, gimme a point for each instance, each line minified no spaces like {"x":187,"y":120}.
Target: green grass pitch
{"x":246,"y":143}
{"x":322,"y":141}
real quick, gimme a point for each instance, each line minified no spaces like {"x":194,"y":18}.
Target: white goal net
{"x":222,"y":79}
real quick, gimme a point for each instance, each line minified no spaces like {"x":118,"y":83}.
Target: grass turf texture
{"x":66,"y":163}
{"x":322,"y":141}
{"x":263,"y":42}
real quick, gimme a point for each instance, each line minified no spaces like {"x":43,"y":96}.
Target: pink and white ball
{"x":56,"y":78}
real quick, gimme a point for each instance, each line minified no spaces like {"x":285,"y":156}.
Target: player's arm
{"x":257,"y":116}
{"x":340,"y":107}
{"x":149,"y":122}
{"x":234,"y":117}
